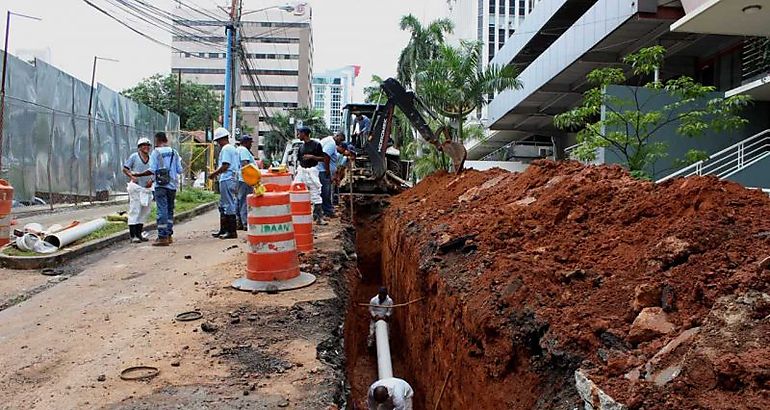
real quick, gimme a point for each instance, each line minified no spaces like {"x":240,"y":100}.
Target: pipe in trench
{"x":384,"y":365}
{"x":67,"y":236}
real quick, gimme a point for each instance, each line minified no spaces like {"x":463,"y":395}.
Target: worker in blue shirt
{"x":245,"y":157}
{"x":166,"y":166}
{"x":326,"y":172}
{"x":228,"y":168}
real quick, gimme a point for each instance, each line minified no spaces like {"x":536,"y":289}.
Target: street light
{"x":286,"y":7}
{"x":5,"y":66}
{"x":91,"y":131}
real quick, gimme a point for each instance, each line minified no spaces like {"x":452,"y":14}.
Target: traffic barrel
{"x":302,"y":217}
{"x":271,"y":261}
{"x":6,"y":202}
{"x":276,"y":180}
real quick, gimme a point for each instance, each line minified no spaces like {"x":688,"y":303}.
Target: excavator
{"x":379,"y":169}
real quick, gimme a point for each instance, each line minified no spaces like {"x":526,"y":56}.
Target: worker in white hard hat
{"x":139,"y":189}
{"x":227,"y":171}
{"x":390,"y":394}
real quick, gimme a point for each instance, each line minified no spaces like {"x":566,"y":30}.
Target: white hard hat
{"x":221,"y":133}
{"x":143,"y":141}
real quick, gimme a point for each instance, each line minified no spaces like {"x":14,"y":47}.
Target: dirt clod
{"x":209,"y":327}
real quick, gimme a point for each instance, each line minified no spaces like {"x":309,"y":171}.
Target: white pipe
{"x":67,"y":236}
{"x":384,"y":366}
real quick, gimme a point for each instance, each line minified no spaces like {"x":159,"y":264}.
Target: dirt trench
{"x":430,"y":345}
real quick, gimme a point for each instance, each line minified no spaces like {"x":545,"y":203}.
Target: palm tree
{"x":423,"y":45}
{"x":454,"y":85}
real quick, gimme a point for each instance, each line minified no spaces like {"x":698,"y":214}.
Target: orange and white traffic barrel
{"x":6,"y":202}
{"x":302,"y":217}
{"x":271,"y":262}
{"x":276,"y":180}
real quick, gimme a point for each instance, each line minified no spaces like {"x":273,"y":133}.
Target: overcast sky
{"x":360,"y":32}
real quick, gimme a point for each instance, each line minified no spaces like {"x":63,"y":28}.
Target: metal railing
{"x":729,"y":160}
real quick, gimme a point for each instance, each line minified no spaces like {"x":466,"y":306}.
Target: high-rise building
{"x":278,"y":48}
{"x":332,"y":90}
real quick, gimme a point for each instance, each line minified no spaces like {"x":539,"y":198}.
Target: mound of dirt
{"x":531,"y":277}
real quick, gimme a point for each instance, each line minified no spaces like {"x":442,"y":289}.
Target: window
{"x":491,"y":52}
{"x":522,"y":7}
{"x":510,"y":32}
{"x":270,"y":104}
{"x":501,"y":10}
{"x":491,"y":34}
{"x":512,"y":7}
{"x":492,"y":6}
{"x":214,"y":55}
{"x":187,"y":55}
{"x":502,"y":37}
{"x":222,"y":71}
{"x":202,"y":55}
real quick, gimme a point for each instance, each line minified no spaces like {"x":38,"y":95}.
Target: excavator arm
{"x":411,"y":106}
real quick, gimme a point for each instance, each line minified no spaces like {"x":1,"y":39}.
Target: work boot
{"x":318,"y":215}
{"x":132,"y":236}
{"x":222,"y":229}
{"x":140,"y":233}
{"x":162,"y":241}
{"x":240,"y":226}
{"x":231,"y":225}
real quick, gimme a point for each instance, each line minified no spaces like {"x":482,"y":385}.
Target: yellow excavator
{"x":379,"y":168}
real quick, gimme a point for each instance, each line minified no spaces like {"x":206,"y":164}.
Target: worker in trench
{"x":390,"y":394}
{"x":139,"y":189}
{"x":310,"y":155}
{"x":229,"y":167}
{"x":380,"y":308}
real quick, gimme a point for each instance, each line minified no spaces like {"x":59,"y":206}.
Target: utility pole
{"x":91,"y":130}
{"x":179,"y":94}
{"x":230,"y":68}
{"x":2,"y":82}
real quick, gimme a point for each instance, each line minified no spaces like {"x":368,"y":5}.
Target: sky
{"x":358,"y":32}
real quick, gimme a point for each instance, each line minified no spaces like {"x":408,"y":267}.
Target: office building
{"x":332,"y":90}
{"x":277,"y":44}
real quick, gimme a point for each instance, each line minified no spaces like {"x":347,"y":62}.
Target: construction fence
{"x":47,"y":149}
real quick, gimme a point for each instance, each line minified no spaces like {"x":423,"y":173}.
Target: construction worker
{"x":245,"y":157}
{"x":310,"y":155}
{"x":229,"y":167}
{"x":139,"y":189}
{"x":390,"y":394}
{"x":326,"y":172}
{"x":165,"y":166}
{"x":380,"y":308}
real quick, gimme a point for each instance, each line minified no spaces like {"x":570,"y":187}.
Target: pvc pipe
{"x":67,"y":236}
{"x":384,"y":365}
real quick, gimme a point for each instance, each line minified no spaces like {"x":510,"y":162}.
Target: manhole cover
{"x":139,"y":373}
{"x":189,"y":316}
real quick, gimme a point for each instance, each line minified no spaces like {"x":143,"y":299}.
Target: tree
{"x":423,"y":45}
{"x":195,"y":104}
{"x":629,"y":125}
{"x":282,"y":128}
{"x":454,"y":85}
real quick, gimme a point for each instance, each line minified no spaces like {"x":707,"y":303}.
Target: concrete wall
{"x":758,"y":115}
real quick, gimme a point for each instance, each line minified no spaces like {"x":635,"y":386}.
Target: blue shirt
{"x":135,"y":164}
{"x":243,"y":155}
{"x":228,"y":154}
{"x":329,"y":147}
{"x":365,"y":124}
{"x":161,"y":157}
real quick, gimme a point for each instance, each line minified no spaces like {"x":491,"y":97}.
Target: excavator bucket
{"x":456,"y":152}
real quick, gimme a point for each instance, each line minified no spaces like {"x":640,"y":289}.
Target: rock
{"x":175,"y":363}
{"x":649,"y":324}
{"x":594,"y":397}
{"x":645,"y":295}
{"x":235,"y":320}
{"x":667,"y":298}
{"x":188,"y":256}
{"x":101,"y":378}
{"x":764,"y":263}
{"x":525,"y":201}
{"x":208,"y":327}
{"x":284,"y":403}
{"x":671,"y":251}
{"x":666,"y":365}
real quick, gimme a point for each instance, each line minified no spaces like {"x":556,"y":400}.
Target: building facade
{"x":277,"y":46}
{"x":332,"y":90}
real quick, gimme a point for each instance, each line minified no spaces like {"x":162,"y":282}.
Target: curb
{"x":39,"y":262}
{"x":20,"y":213}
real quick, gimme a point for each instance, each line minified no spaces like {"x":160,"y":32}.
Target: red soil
{"x":545,"y":283}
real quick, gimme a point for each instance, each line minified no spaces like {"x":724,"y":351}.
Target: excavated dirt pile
{"x":568,"y":284}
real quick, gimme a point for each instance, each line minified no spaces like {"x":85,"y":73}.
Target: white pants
{"x":139,"y":199}
{"x":309,"y":177}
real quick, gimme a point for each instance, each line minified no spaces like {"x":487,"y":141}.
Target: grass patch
{"x":106,"y":230}
{"x":14,"y":251}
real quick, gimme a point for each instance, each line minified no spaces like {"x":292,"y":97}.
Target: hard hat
{"x":143,"y":141}
{"x":246,"y":138}
{"x":221,"y":133}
